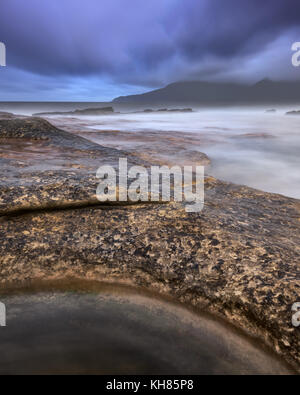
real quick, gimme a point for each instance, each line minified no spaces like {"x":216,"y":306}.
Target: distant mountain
{"x":213,"y":93}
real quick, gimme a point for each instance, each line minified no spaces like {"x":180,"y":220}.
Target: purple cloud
{"x":146,"y":43}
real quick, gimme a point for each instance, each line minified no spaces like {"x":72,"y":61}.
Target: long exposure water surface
{"x":109,"y":330}
{"x":248,"y":147}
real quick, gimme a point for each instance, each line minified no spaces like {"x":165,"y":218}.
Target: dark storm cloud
{"x":231,"y":27}
{"x":145,"y":42}
{"x":83,"y":37}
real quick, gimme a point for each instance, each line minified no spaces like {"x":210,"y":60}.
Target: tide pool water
{"x":113,"y":331}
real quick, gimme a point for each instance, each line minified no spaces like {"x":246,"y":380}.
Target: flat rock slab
{"x":45,"y":167}
{"x":238,"y":258}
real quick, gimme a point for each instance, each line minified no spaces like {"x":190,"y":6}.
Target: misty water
{"x":248,"y":147}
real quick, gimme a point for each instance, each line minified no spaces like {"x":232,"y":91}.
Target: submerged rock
{"x":184,"y":110}
{"x":238,"y":258}
{"x":293,"y":113}
{"x":87,"y":111}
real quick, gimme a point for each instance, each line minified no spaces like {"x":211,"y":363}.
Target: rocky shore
{"x":238,"y":258}
{"x":86,"y":111}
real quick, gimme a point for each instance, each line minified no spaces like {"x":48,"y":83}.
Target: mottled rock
{"x":6,"y":115}
{"x":238,"y":258}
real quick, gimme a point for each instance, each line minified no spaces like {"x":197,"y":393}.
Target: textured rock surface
{"x":41,"y":130}
{"x":238,"y":258}
{"x":43,"y":166}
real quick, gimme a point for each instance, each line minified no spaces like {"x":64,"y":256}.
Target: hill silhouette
{"x":208,"y":93}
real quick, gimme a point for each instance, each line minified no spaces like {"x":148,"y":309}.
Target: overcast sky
{"x":100,"y":49}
